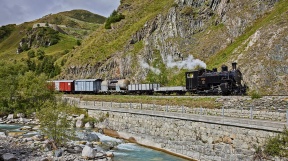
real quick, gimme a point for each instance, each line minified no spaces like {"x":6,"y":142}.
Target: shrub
{"x":54,"y":123}
{"x":31,"y":54}
{"x":277,"y":146}
{"x":187,"y":11}
{"x":78,"y":42}
{"x":40,"y":54}
{"x":254,"y":94}
{"x":114,"y":17}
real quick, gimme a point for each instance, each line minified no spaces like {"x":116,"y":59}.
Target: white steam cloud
{"x":189,"y":63}
{"x":147,"y":66}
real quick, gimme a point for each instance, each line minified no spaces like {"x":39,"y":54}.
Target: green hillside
{"x":77,"y":24}
{"x":103,"y":43}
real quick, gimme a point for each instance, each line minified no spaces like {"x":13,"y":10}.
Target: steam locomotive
{"x":202,"y":82}
{"x":226,"y":82}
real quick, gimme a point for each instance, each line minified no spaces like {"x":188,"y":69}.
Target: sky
{"x":19,"y":11}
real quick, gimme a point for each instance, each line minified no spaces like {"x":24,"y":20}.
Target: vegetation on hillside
{"x":21,"y":90}
{"x":79,"y":24}
{"x":98,"y":48}
{"x":5,"y":31}
{"x":25,"y":91}
{"x":54,"y":123}
{"x":223,"y":56}
{"x":113,"y":18}
{"x":85,"y":16}
{"x":277,"y":146}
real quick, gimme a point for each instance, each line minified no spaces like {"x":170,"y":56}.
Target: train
{"x":199,"y":82}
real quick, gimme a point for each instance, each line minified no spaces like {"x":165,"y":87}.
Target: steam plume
{"x":147,"y":66}
{"x":189,"y":63}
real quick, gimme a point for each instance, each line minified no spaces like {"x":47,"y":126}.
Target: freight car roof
{"x":63,"y":81}
{"x":87,"y":80}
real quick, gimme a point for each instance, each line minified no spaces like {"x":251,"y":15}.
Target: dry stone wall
{"x":197,"y":140}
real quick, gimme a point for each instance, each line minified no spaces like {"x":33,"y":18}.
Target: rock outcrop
{"x":248,"y":32}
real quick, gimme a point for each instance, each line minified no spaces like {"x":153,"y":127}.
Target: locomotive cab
{"x":192,"y":81}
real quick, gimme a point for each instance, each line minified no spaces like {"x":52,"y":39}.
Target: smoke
{"x":189,"y":63}
{"x":147,"y":66}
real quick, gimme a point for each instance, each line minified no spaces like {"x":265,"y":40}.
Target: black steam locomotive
{"x":211,"y":82}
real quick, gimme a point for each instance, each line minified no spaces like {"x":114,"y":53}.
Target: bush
{"x":78,"y":42}
{"x":187,"y":11}
{"x":31,"y":54}
{"x":40,"y":54}
{"x":277,"y":146}
{"x":255,"y":94}
{"x":114,"y":17}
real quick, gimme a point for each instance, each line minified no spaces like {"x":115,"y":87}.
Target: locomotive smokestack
{"x":224,"y":68}
{"x":234,"y":66}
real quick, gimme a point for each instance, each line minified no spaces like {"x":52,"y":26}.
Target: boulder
{"x":88,"y":125}
{"x":26,"y":128}
{"x":10,"y":117}
{"x":23,"y":120}
{"x":88,"y":152}
{"x":79,"y":123}
{"x":20,"y":115}
{"x":8,"y":157}
{"x":2,"y":135}
{"x":81,"y":117}
{"x":58,"y":153}
{"x":38,"y":137}
{"x":16,"y":134}
{"x":109,"y":154}
{"x":92,"y":137}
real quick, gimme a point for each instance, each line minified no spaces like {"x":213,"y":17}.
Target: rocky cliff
{"x":187,"y":34}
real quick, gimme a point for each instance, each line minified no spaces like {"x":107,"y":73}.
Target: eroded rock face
{"x":202,"y":28}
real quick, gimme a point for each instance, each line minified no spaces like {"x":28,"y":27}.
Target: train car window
{"x":190,"y":75}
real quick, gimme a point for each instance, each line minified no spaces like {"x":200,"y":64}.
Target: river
{"x":123,"y":152}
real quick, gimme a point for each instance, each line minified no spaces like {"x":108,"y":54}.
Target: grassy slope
{"x":9,"y":46}
{"x":103,"y":43}
{"x":223,"y":56}
{"x":85,"y":16}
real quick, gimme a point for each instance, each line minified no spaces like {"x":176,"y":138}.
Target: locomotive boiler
{"x":212,"y":82}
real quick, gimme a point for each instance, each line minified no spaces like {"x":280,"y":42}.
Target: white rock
{"x":2,"y":135}
{"x":21,"y":115}
{"x":26,"y":128}
{"x":88,"y":152}
{"x":81,"y":116}
{"x":23,"y":120}
{"x":79,"y":123}
{"x":109,"y":154}
{"x":10,"y":117}
{"x":88,"y":125}
{"x":8,"y":156}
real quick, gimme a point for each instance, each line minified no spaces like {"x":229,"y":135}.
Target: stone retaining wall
{"x":197,"y":140}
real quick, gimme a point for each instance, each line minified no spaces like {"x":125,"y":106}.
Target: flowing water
{"x":123,"y":152}
{"x":134,"y":152}
{"x":9,"y":127}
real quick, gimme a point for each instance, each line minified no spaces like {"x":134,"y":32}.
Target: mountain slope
{"x":73,"y":25}
{"x":157,"y":39}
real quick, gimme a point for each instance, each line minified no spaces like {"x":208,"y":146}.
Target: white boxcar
{"x":88,"y":85}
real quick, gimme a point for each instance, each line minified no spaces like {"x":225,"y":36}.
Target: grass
{"x":10,"y":44}
{"x":224,"y":55}
{"x":102,"y":47}
{"x":205,"y":102}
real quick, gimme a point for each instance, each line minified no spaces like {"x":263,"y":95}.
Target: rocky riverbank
{"x":28,"y":144}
